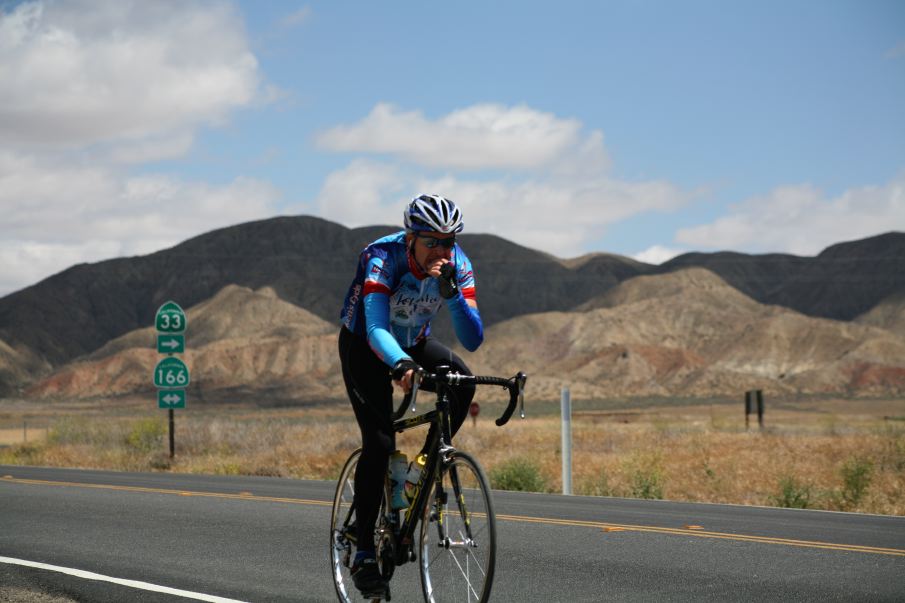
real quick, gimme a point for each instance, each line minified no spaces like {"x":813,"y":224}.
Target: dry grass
{"x":830,"y":454}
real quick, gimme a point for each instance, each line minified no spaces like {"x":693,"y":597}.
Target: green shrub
{"x":228,"y":468}
{"x":647,"y":476}
{"x":27,"y":453}
{"x":856,"y":475}
{"x":647,"y":484}
{"x":596,"y":487}
{"x":521,"y":474}
{"x":792,"y":494}
{"x":146,"y":435}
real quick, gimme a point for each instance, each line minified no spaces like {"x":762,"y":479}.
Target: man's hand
{"x":403,"y":374}
{"x":406,"y":382}
{"x":449,"y":286}
{"x":434,"y":268}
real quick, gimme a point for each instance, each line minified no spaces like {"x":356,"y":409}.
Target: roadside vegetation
{"x":847,"y":456}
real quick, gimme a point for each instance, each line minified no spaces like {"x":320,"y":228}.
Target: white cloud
{"x":559,"y":216}
{"x":55,"y":216}
{"x":554,"y":193}
{"x":483,"y":136}
{"x":81,"y":72}
{"x":90,"y":89}
{"x":657,"y":254}
{"x":364,"y":193}
{"x":799,"y":220}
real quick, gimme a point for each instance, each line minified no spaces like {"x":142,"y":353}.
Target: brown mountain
{"x":685,"y":334}
{"x":688,"y":333}
{"x":308,"y":262}
{"x":842,"y":282}
{"x":889,"y":314}
{"x":240,"y":345}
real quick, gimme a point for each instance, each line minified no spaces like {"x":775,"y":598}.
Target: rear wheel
{"x":344,"y":535}
{"x":458,"y":535}
{"x":342,"y":531}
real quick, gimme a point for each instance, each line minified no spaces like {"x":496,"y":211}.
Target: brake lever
{"x":416,"y":383}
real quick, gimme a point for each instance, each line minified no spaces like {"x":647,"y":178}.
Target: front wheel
{"x":458,"y":535}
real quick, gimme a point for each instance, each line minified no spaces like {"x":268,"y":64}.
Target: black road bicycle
{"x":451,"y":503}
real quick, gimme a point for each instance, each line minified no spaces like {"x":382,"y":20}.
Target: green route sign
{"x":170,"y":344}
{"x":171,"y":375}
{"x":170,"y":318}
{"x":171,"y":398}
{"x":171,"y":372}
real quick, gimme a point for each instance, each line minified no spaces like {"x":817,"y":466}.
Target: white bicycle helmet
{"x":433,"y":213}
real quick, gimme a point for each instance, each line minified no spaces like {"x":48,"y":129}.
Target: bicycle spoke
{"x":465,"y":573}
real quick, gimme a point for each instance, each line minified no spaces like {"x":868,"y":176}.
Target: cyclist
{"x":401,"y":281}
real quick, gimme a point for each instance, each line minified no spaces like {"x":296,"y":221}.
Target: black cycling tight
{"x":370,"y":389}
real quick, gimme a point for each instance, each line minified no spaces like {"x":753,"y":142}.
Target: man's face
{"x":430,"y":250}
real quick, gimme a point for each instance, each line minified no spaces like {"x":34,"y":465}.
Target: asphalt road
{"x":265,"y":539}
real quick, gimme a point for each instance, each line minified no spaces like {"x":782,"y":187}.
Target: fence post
{"x":754,"y":402}
{"x":760,"y":409}
{"x":566,"y":404}
{"x":747,"y":407}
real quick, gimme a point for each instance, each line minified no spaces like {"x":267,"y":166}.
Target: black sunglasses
{"x":431,"y":242}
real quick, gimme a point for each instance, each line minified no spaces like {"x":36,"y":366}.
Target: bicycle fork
{"x":444,"y":539}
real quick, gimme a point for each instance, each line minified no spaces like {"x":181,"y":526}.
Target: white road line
{"x":121,"y":581}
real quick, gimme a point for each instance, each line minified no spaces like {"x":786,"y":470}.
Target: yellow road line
{"x":695,"y":531}
{"x":238,"y":496}
{"x":613,"y":527}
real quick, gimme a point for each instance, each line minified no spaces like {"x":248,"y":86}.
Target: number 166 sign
{"x":171,"y":372}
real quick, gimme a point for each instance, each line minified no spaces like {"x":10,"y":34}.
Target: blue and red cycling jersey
{"x":391,"y":301}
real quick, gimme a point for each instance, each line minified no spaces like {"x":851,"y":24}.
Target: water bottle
{"x":397,"y":471}
{"x":414,"y":474}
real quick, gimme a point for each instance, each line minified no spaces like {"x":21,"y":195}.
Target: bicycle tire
{"x":458,"y":567}
{"x":342,"y":548}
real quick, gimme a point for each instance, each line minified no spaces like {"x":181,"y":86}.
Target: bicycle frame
{"x":430,"y":473}
{"x":440,"y":447}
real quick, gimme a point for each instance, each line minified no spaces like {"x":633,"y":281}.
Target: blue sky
{"x":639,"y":128}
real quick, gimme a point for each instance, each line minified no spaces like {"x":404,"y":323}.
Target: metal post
{"x":25,"y":431}
{"x":747,"y":408}
{"x":566,"y":405}
{"x":172,"y":435}
{"x":760,"y":409}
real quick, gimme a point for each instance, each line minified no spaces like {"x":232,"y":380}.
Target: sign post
{"x":171,"y":375}
{"x":566,"y":408}
{"x":751,"y":397}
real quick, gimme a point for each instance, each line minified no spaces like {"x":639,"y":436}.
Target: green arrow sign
{"x":171,"y":372}
{"x":171,"y":398}
{"x":170,"y":318}
{"x":171,"y":344}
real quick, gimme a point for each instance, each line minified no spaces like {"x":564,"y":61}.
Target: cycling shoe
{"x":367,"y":578}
